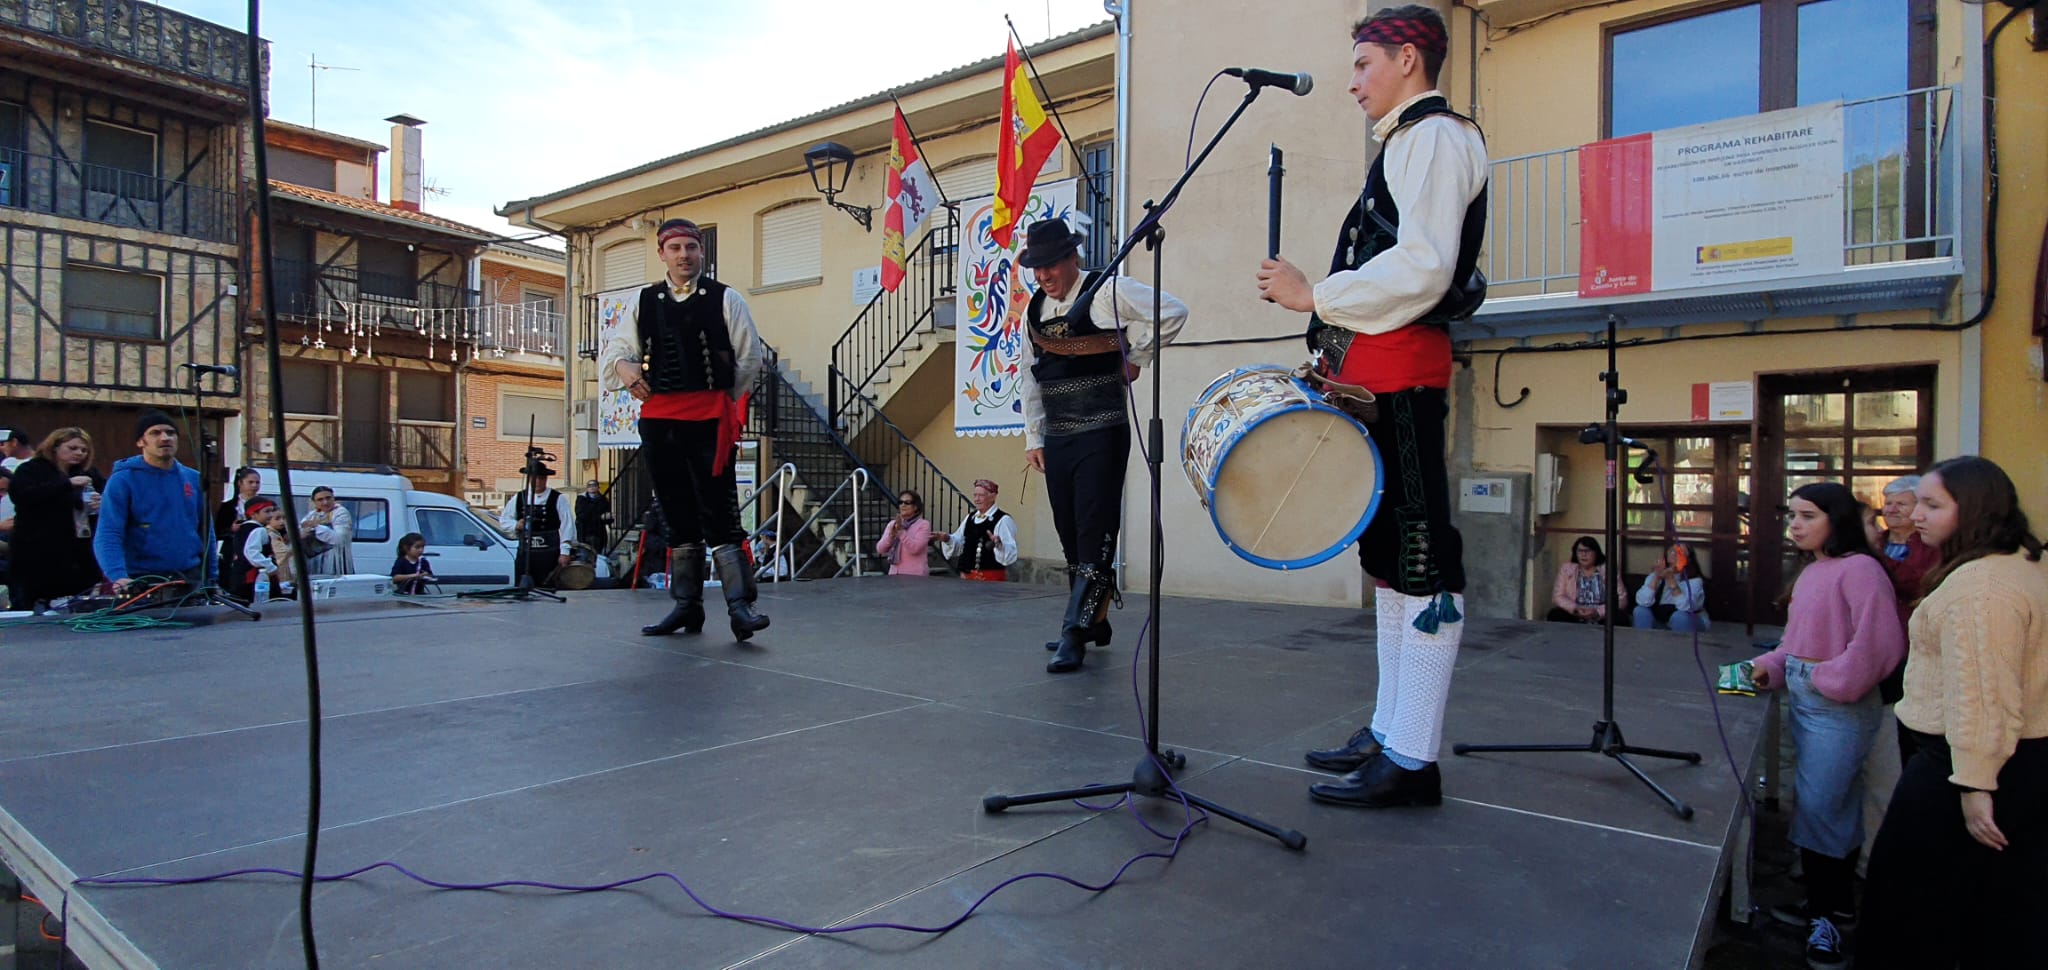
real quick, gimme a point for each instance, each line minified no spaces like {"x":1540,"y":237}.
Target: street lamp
{"x":831,"y":164}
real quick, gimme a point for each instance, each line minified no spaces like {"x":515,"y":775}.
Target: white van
{"x":466,"y":551}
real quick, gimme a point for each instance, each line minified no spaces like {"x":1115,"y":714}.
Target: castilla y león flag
{"x":911,"y":195}
{"x":1025,"y":140}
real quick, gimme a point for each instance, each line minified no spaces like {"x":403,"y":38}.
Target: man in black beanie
{"x":149,"y":517}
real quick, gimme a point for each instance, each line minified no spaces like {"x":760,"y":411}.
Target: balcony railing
{"x":521,"y":328}
{"x":142,"y":32}
{"x":374,"y":302}
{"x":1899,"y":192}
{"x":329,"y":440}
{"x":115,"y":197}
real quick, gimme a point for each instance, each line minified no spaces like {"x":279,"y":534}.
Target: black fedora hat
{"x":535,"y":466}
{"x":1047,"y":242}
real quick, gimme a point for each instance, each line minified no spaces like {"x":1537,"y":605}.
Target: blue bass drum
{"x":1289,"y":480}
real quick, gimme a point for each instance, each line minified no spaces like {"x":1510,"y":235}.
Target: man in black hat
{"x":1076,"y":421}
{"x":536,"y":515}
{"x":687,"y":350}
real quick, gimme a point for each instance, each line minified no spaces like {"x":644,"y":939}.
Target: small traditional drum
{"x":1289,"y":480}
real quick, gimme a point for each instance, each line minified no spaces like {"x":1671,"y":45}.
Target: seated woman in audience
{"x":1959,"y":875}
{"x":1580,"y":593}
{"x":1674,"y":594}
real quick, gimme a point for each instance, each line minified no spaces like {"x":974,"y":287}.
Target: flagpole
{"x":931,"y":172}
{"x":1046,"y":93}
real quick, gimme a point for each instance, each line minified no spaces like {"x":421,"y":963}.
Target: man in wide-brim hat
{"x":1076,"y":416}
{"x":536,"y":515}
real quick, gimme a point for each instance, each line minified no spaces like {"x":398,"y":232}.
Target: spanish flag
{"x":1026,"y":140}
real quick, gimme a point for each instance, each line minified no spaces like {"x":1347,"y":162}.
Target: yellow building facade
{"x":1917,"y":350}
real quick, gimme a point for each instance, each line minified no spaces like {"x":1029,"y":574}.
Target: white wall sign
{"x":867,"y":281}
{"x":1490,"y":495}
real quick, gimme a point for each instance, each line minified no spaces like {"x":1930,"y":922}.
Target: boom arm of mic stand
{"x":1146,"y":226}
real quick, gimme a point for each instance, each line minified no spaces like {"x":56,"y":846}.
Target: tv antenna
{"x":314,"y":67}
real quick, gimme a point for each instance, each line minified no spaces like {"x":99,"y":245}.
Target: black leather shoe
{"x":1097,"y":634}
{"x":1068,"y":659}
{"x":687,"y":617}
{"x":1383,"y":784}
{"x":1350,"y":757}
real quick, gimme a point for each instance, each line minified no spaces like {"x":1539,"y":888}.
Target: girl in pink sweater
{"x":1842,"y":636}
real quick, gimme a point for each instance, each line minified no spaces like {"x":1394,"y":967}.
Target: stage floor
{"x":831,"y":772}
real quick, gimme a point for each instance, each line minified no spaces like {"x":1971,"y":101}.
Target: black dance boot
{"x":1350,"y":756}
{"x":1381,"y":783}
{"x":1091,"y":589}
{"x":1073,"y":578}
{"x":686,"y":588}
{"x":737,"y":576}
{"x":1099,"y":631}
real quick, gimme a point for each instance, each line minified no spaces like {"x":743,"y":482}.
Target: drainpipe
{"x":1970,"y":193}
{"x":1121,"y":10}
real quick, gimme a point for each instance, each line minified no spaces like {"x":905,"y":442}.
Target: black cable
{"x":1504,"y":405}
{"x":284,"y":488}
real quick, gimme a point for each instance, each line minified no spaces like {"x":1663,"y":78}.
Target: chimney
{"x":405,"y":162}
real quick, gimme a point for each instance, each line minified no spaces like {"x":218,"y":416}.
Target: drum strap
{"x":1348,"y":398}
{"x":1100,"y":343}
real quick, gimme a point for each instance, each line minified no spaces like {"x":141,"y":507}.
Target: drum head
{"x":1297,"y":489}
{"x":575,"y":575}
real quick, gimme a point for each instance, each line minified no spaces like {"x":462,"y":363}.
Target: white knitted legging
{"x":1415,"y":675}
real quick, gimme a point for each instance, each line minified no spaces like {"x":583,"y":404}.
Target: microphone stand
{"x":1607,"y":731}
{"x":522,"y":588}
{"x":1153,"y":778}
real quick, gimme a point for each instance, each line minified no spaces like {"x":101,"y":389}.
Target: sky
{"x":527,"y":97}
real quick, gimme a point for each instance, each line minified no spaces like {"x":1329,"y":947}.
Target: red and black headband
{"x":678,"y":227}
{"x":1427,"y":37}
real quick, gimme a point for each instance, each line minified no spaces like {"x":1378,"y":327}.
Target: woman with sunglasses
{"x":907,"y":539}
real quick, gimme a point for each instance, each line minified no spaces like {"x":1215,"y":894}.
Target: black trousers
{"x":1084,"y":475}
{"x":1936,"y":897}
{"x":698,"y":505}
{"x":1410,"y":543}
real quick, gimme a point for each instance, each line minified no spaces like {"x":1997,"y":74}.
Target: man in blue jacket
{"x":149,"y":516}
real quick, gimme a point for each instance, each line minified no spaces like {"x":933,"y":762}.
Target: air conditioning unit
{"x":583,"y":415}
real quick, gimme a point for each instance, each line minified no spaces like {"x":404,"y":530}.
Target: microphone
{"x":224,"y":370}
{"x":1299,"y":83}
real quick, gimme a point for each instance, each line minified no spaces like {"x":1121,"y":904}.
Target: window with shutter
{"x":622,"y":265}
{"x":969,"y":178}
{"x":790,"y":248}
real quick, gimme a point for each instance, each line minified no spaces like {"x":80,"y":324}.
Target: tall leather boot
{"x":686,"y":588}
{"x":737,"y":576}
{"x":1098,"y":631}
{"x":1091,"y":588}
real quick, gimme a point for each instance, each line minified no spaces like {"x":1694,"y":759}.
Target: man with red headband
{"x":1404,"y":270}
{"x":687,"y":350}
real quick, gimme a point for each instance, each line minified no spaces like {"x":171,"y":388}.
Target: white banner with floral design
{"x":993,"y":294}
{"x":618,"y":415}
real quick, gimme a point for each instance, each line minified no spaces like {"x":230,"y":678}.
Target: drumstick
{"x":1274,"y":173}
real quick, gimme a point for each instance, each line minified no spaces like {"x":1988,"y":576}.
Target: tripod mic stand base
{"x":1150,"y":780}
{"x":1606,"y":741}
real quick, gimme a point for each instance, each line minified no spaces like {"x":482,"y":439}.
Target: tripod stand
{"x":1607,"y":738}
{"x":1152,"y":777}
{"x":523,"y":589}
{"x":208,"y":592}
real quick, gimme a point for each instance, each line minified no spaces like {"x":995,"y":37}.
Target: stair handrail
{"x":785,"y":474}
{"x":858,"y":475}
{"x":934,"y":280}
{"x":934,"y":472}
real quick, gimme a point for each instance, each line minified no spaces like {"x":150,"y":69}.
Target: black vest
{"x":1372,"y":227}
{"x":976,"y":551}
{"x":545,"y":529}
{"x":684,"y":344}
{"x":1079,"y":392}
